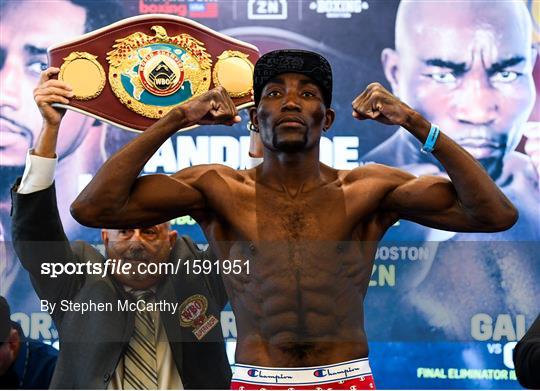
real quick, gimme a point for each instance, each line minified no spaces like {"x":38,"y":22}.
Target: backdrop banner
{"x":444,"y":309}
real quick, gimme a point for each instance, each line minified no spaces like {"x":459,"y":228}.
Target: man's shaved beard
{"x":289,"y":146}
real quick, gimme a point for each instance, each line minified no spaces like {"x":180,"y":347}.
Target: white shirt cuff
{"x":38,"y":173}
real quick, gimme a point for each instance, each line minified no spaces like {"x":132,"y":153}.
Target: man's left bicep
{"x":425,"y":193}
{"x":431,"y":201}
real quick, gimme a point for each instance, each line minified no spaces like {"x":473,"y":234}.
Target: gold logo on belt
{"x":161,"y":73}
{"x":152,"y":74}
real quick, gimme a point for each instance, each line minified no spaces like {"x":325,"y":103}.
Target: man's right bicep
{"x":158,"y":198}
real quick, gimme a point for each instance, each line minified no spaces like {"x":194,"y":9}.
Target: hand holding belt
{"x":133,"y":72}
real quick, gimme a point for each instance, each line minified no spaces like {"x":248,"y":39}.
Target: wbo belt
{"x":133,"y":72}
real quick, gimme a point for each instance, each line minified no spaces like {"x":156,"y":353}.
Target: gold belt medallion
{"x":83,"y":63}
{"x":152,"y":74}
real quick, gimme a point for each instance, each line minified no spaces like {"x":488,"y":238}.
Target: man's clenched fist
{"x":376,"y":103}
{"x":532,"y":146}
{"x":214,"y":107}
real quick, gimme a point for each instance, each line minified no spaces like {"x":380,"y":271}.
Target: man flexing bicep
{"x":470,"y":201}
{"x":304,"y":227}
{"x":116,"y":197}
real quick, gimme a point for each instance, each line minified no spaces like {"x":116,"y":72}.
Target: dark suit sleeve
{"x":527,"y":357}
{"x":38,"y":238}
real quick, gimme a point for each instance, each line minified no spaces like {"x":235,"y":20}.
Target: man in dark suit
{"x":527,"y":357}
{"x":170,"y":337}
{"x":24,"y":363}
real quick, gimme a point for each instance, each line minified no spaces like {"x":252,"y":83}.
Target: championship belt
{"x":133,"y":72}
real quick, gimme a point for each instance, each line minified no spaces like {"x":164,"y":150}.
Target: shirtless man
{"x":309,"y":231}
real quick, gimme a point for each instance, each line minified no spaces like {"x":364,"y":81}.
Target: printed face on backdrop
{"x":28,"y":28}
{"x":467,"y":68}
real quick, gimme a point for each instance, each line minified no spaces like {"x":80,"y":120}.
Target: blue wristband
{"x":429,"y":145}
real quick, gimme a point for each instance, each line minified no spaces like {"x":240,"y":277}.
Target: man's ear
{"x":390,"y":63}
{"x":329,"y":118}
{"x":105,"y":237}
{"x":255,"y":143}
{"x":173,"y":235}
{"x":253,"y":117}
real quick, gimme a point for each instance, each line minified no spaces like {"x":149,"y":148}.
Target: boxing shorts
{"x":349,"y":375}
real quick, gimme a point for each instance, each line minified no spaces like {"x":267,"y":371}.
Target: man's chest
{"x":258,"y":213}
